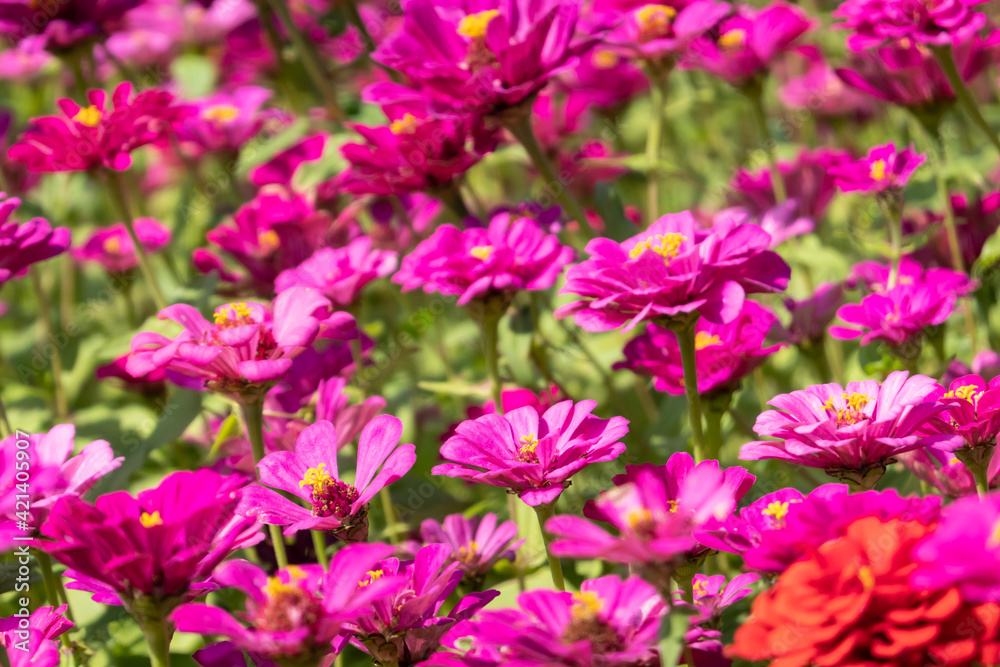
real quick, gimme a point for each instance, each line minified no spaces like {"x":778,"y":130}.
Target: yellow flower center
{"x":112,"y":245}
{"x":699,"y":588}
{"x":526,"y":453}
{"x":778,"y":511}
{"x":405,"y":125}
{"x":150,"y":520}
{"x":269,"y":240}
{"x":665,"y":245}
{"x":969,"y":392}
{"x":703,"y":340}
{"x":586,"y":606}
{"x":276,"y":588}
{"x":317,"y":478}
{"x":877,"y":172}
{"x":866,"y":577}
{"x":481,"y":251}
{"x":604,"y":59}
{"x":638,"y":518}
{"x":673,"y":505}
{"x":733,"y":39}
{"x":295,"y":572}
{"x":238,"y":311}
{"x":654,"y":21}
{"x":467,"y":553}
{"x":474,"y":26}
{"x":221,"y":113}
{"x":372,"y":575}
{"x":853,"y":410}
{"x":89,"y":116}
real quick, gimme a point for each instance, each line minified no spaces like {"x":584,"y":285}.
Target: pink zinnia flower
{"x":724,"y":353}
{"x":711,"y":596}
{"x":225,"y":121}
{"x":477,"y":544}
{"x":157,"y":548}
{"x":852,"y":433}
{"x":897,"y":317}
{"x":26,"y":60}
{"x":34,"y":645}
{"x":747,"y":43}
{"x":807,"y":180}
{"x":822,"y":92}
{"x":54,"y":473}
{"x":98,"y":136}
{"x":531,"y":455}
{"x":112,"y":248}
{"x":247,"y":347}
{"x":405,"y":625}
{"x":740,"y":532}
{"x":942,"y":471}
{"x":310,"y":474}
{"x":25,"y":243}
{"x":977,"y":220}
{"x":885,"y":168}
{"x":340,"y":273}
{"x":874,"y":277}
{"x":812,"y":316}
{"x":671,"y":270}
{"x":782,"y":222}
{"x":940,"y":22}
{"x":611,"y":622}
{"x":512,"y":254}
{"x":64,"y":24}
{"x":294,"y":615}
{"x":661,"y":33}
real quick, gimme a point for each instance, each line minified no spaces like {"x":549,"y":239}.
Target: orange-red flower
{"x":852,"y":604}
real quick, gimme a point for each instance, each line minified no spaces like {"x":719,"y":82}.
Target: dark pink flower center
{"x":288,"y":606}
{"x":328,"y":496}
{"x":848,"y":409}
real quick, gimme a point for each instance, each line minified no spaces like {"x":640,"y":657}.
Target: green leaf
{"x":456,"y":388}
{"x":609,"y":206}
{"x":195,"y":75}
{"x":230,"y":429}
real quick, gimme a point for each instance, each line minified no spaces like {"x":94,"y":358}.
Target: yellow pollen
{"x":777,"y":511}
{"x":481,"y":251}
{"x":318,"y":478}
{"x":673,"y":505}
{"x":89,"y":116}
{"x":654,"y":21}
{"x":372,"y":575}
{"x":221,"y":113}
{"x":699,"y":587}
{"x":470,"y":550}
{"x":866,"y":577}
{"x":733,"y":39}
{"x":853,"y":410}
{"x":150,"y":520}
{"x":953,"y":461}
{"x":405,"y":125}
{"x":877,"y":172}
{"x":474,"y":26}
{"x":605,"y":59}
{"x":269,"y":239}
{"x":703,"y":340}
{"x":295,"y":572}
{"x":528,"y":443}
{"x":587,"y":605}
{"x":275,"y":587}
{"x":969,"y":392}
{"x":112,"y":245}
{"x":638,"y":517}
{"x":665,"y":245}
{"x":237,"y":309}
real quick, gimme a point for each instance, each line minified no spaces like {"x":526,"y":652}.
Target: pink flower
{"x":852,"y":433}
{"x":340,"y":273}
{"x":811,"y":316}
{"x":64,"y":25}
{"x":897,"y":317}
{"x":54,"y":473}
{"x":97,"y":136}
{"x":748,"y":42}
{"x":510,"y":255}
{"x":874,"y":22}
{"x":34,"y":644}
{"x":531,"y":455}
{"x":671,"y":270}
{"x":112,"y":247}
{"x":406,"y":625}
{"x":26,"y":243}
{"x":973,"y":412}
{"x":976,"y":221}
{"x":225,"y":121}
{"x":711,"y":596}
{"x":741,"y":532}
{"x":477,"y":544}
{"x":885,"y":168}
{"x":661,"y":33}
{"x":782,"y":222}
{"x":945,"y":473}
{"x":601,"y":79}
{"x":162,"y":545}
{"x":874,"y":277}
{"x":807,"y":180}
{"x":611,"y":622}
{"x":821,"y":91}
{"x":310,"y":474}
{"x":724,"y":353}
{"x":26,"y":60}
{"x":295,"y":614}
{"x":245,"y":350}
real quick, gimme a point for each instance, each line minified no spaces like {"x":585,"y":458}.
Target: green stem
{"x":520,"y":127}
{"x":977,"y":461}
{"x":253,"y":420}
{"x":491,"y":327}
{"x":357,"y":356}
{"x":894,"y":223}
{"x":756,"y":95}
{"x":157,"y":634}
{"x":654,"y":140}
{"x":947,"y":61}
{"x":512,"y":515}
{"x":310,"y":60}
{"x":685,"y":338}
{"x":319,"y":543}
{"x":354,"y":17}
{"x":982,"y":481}
{"x":391,"y":519}
{"x":45,"y":318}
{"x":544,"y":513}
{"x":116,"y":190}
{"x":717,"y":407}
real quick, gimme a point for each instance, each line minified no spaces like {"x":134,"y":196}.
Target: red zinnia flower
{"x":851,"y":603}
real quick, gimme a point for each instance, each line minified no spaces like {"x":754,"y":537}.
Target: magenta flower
{"x":245,"y":350}
{"x":781,"y":223}
{"x":159,"y":548}
{"x":530,"y":455}
{"x":821,"y":91}
{"x":962,"y":550}
{"x":27,"y":60}
{"x":874,"y":277}
{"x":972,"y":417}
{"x":747,"y":43}
{"x":852,"y":433}
{"x":711,"y":596}
{"x":812,"y":316}
{"x":512,"y":254}
{"x":807,"y":180}
{"x":885,"y":168}
{"x":749,"y":526}
{"x":654,"y":511}
{"x":34,"y":645}
{"x":310,"y":474}
{"x":661,"y":33}
{"x":54,"y":473}
{"x":874,"y":22}
{"x":25,"y":243}
{"x":112,"y":248}
{"x":671,"y":270}
{"x":945,"y":473}
{"x":897,"y":317}
{"x":226,"y":120}
{"x":340,"y":273}
{"x":98,"y":136}
{"x":976,"y":221}
{"x":601,"y":79}
{"x":405,"y":626}
{"x":484,"y":57}
{"x":724,"y":353}
{"x":64,"y":24}
{"x":610,"y":622}
{"x":293,"y":616}
{"x":477,"y":544}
